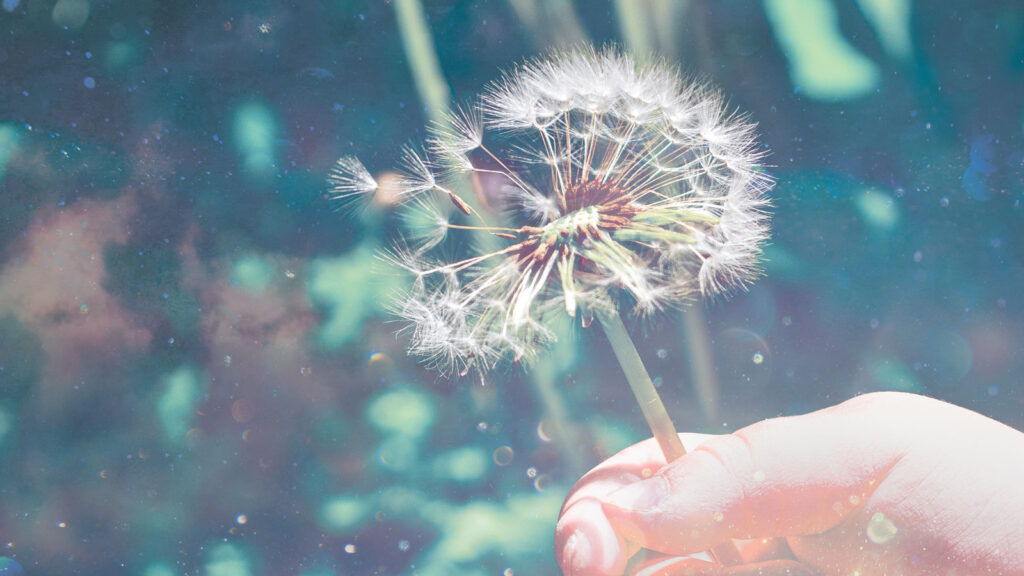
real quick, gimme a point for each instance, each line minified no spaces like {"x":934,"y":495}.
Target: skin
{"x":885,"y":483}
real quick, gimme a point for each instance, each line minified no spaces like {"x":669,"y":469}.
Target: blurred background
{"x":197,"y":375}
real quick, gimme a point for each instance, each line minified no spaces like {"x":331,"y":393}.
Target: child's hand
{"x":884,"y":483}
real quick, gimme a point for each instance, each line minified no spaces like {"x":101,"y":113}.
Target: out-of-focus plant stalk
{"x":667,"y":19}
{"x":419,"y":51}
{"x":649,"y":26}
{"x":697,"y":16}
{"x":552,"y":22}
{"x":563,"y":433}
{"x":702,"y":370}
{"x":418,"y":43}
{"x":633,"y":16}
{"x":566,"y":21}
{"x":435,"y":94}
{"x":528,"y":13}
{"x":653,"y":27}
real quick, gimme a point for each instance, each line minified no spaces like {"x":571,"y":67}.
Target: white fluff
{"x":624,"y":178}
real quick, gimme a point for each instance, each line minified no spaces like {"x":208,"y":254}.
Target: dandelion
{"x":624,"y":185}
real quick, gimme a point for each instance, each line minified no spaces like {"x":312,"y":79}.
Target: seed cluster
{"x":622,"y":182}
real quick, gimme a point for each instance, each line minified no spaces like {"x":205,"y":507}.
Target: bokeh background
{"x":197,"y":376}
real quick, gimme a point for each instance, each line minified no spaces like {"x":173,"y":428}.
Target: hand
{"x":883,"y":483}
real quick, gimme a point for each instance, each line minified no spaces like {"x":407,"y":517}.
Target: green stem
{"x":654,"y":410}
{"x":640,"y":382}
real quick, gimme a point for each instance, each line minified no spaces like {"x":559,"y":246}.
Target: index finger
{"x":585,"y":542}
{"x":629,"y":465}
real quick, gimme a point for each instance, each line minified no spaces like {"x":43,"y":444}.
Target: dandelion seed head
{"x":624,"y":183}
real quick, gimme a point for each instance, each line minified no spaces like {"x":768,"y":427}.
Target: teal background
{"x":197,"y":375}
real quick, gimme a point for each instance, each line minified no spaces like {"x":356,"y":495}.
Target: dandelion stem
{"x":653,"y":408}
{"x":640,"y":382}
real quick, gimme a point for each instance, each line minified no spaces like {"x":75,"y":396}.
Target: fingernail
{"x":642,"y":497}
{"x":576,"y":553}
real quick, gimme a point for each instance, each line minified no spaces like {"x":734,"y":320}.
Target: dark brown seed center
{"x":591,"y":209}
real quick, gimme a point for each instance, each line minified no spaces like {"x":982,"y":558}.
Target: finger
{"x":764,"y":549}
{"x":585,"y":542}
{"x":772,"y":568}
{"x":634,"y":463}
{"x":687,"y":566}
{"x":661,"y":565}
{"x":780,"y":477}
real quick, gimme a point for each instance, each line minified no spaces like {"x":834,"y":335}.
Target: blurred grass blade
{"x":701,"y":363}
{"x":550,"y":23}
{"x":419,"y":50}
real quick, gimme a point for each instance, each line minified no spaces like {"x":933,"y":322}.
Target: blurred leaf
{"x":406,"y":412}
{"x":6,"y":423}
{"x":252,"y":273}
{"x":176,"y":407}
{"x":227,"y":560}
{"x":351,"y":291}
{"x":892,"y":23}
{"x":398,"y":453}
{"x":157,"y":570}
{"x":521,"y":527}
{"x":878,"y":210}
{"x":342,"y":513}
{"x":822,"y":63}
{"x":255,"y":134}
{"x":466,"y":464}
{"x":891,"y":374}
{"x":8,"y":145}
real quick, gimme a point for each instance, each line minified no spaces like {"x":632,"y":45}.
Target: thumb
{"x":780,"y":477}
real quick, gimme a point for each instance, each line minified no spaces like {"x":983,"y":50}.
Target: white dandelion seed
{"x":453,"y":138}
{"x":624,"y":181}
{"x":462,"y":130}
{"x":533,"y":204}
{"x":350,"y":179}
{"x":417,"y":175}
{"x":427,"y":221}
